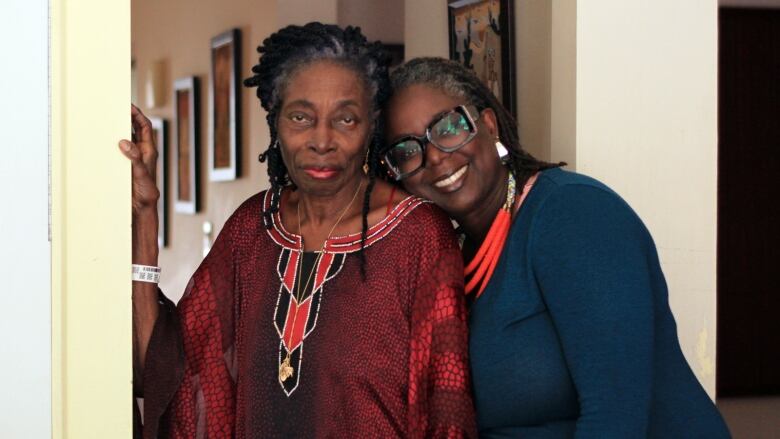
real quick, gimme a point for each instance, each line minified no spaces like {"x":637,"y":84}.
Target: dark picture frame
{"x":160,"y":136}
{"x":224,"y":107}
{"x":186,"y":99}
{"x":486,"y":44}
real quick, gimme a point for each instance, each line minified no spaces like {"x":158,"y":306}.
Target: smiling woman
{"x":570,"y":330}
{"x":304,"y":265}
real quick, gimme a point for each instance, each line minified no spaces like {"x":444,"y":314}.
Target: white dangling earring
{"x":503,"y":153}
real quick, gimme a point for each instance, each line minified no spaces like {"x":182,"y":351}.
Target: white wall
{"x":25,"y":297}
{"x":647,"y":126}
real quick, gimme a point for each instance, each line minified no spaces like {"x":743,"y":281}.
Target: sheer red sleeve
{"x":204,"y":403}
{"x":440,"y":404}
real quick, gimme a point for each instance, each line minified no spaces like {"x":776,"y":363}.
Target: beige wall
{"x":179,"y":33}
{"x":533,"y":31}
{"x":647,"y":126}
{"x":563,"y":81}
{"x":425,"y":28}
{"x":379,"y":19}
{"x":303,"y":11}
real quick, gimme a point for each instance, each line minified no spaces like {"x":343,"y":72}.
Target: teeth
{"x":452,"y":178}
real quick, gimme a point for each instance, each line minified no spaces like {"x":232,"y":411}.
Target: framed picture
{"x":160,"y":135}
{"x":224,"y":129}
{"x":482,"y":38}
{"x":185,"y":138}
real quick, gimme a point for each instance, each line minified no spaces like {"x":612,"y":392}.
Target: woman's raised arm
{"x":142,"y":153}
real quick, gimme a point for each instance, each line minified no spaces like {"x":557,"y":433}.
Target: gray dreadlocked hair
{"x":293,"y":47}
{"x":457,"y":81}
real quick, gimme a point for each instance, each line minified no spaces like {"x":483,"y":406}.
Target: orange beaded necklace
{"x":481,"y":268}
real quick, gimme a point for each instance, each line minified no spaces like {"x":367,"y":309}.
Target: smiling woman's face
{"x":323,"y":126}
{"x":459,"y":181}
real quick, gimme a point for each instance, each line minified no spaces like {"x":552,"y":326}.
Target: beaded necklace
{"x":285,"y":368}
{"x":481,"y":267}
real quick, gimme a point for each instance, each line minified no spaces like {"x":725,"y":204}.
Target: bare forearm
{"x":145,"y":306}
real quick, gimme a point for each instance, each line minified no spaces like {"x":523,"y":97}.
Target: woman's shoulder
{"x":567,"y":189}
{"x":417,"y":220}
{"x":569,"y":199}
{"x":248,"y":212}
{"x":392,"y":203}
{"x":559,"y":181}
{"x":423,"y":214}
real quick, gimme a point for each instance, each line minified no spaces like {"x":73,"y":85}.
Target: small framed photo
{"x":160,"y":135}
{"x":482,"y":38}
{"x":224,"y":107}
{"x":185,"y":138}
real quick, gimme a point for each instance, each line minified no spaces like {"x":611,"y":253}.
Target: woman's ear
{"x":490,"y":121}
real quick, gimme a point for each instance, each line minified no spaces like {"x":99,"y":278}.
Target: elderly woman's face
{"x":457,"y":181}
{"x":324,"y":126}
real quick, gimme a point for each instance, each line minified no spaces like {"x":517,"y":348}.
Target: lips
{"x":321,"y":172}
{"x":451,"y":182}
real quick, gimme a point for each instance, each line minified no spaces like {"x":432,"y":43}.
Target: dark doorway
{"x":748,"y":350}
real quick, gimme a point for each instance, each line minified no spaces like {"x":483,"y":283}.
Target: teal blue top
{"x":574,"y":336}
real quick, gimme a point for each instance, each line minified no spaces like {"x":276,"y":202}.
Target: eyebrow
{"x":308,"y":104}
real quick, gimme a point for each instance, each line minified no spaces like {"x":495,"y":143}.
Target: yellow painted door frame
{"x":91,"y":220}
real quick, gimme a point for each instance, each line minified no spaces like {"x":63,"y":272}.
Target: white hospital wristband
{"x":146,"y":273}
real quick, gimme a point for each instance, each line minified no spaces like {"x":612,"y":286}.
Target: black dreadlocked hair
{"x":293,"y":47}
{"x":459,"y":82}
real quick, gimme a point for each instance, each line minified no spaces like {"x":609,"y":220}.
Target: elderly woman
{"x":330,"y":305}
{"x":570,"y":328}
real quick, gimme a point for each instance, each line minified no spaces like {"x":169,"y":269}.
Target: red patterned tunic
{"x":382,"y":358}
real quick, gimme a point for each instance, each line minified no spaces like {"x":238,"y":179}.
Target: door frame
{"x":91,"y":311}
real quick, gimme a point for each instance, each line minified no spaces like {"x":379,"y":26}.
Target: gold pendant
{"x":285,"y":370}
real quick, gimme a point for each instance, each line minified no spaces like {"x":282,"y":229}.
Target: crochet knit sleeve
{"x":440,"y":404}
{"x":195,"y":397}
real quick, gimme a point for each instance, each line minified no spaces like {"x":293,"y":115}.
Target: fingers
{"x":144,"y":137}
{"x":139,"y":171}
{"x":130,"y":150}
{"x":141,"y":126}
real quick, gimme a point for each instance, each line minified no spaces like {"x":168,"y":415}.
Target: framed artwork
{"x":224,"y":129}
{"x":160,"y":135}
{"x":482,"y":38}
{"x":185,"y":143}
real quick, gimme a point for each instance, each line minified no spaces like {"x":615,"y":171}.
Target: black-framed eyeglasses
{"x":448,"y":132}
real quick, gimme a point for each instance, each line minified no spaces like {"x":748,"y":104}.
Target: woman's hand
{"x":142,"y":153}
